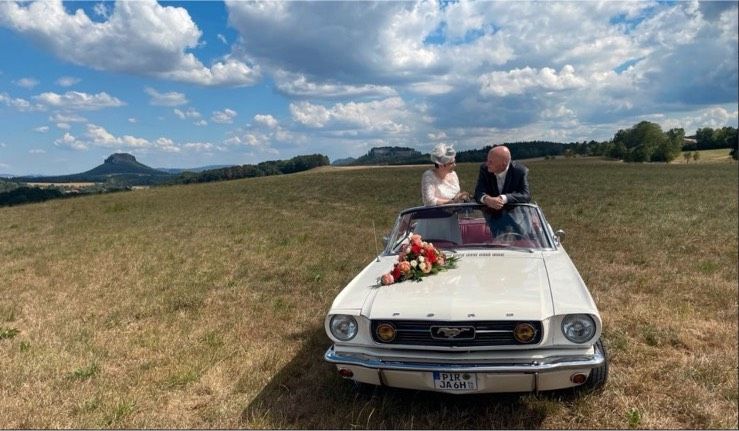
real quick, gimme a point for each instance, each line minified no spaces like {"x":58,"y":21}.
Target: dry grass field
{"x":201,"y":306}
{"x":722,"y":155}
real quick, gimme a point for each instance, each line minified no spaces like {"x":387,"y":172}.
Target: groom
{"x":501,"y":182}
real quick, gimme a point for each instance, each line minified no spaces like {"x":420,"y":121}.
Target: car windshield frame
{"x":539,"y":238}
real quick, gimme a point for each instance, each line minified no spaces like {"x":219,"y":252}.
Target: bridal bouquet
{"x":416,"y":260}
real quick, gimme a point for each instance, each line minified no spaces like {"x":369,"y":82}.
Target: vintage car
{"x":514,"y":315}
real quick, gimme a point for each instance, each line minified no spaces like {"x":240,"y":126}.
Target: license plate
{"x":455,"y":381}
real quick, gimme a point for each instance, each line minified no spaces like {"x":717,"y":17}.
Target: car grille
{"x":486,"y":333}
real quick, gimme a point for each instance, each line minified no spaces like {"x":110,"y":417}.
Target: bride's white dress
{"x":433,"y":188}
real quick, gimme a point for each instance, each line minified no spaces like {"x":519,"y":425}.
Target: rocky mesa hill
{"x":118,"y":167}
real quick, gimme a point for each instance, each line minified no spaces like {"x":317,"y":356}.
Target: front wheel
{"x":598,"y":376}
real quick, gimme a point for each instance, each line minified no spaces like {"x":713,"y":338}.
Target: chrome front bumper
{"x":552,"y":363}
{"x":516,"y":372}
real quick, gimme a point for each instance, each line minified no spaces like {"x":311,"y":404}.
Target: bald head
{"x":498,"y":159}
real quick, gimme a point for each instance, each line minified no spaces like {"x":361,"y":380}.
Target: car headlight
{"x":578,"y":328}
{"x":343,"y":327}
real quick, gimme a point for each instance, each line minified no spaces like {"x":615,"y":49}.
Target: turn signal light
{"x":385,"y":332}
{"x":524,"y":333}
{"x":346,"y":373}
{"x":578,"y":378}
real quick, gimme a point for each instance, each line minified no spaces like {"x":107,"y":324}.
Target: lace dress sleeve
{"x":428,"y":188}
{"x":454,"y":183}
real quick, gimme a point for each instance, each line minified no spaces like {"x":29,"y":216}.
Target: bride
{"x":440,"y":185}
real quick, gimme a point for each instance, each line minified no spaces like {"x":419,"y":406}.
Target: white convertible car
{"x":513,"y":316}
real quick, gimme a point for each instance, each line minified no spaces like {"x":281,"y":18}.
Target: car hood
{"x":484,"y":286}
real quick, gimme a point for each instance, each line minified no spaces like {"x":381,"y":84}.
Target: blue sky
{"x":186,"y":84}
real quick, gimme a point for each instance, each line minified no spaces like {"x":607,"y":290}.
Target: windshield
{"x":468,"y":226}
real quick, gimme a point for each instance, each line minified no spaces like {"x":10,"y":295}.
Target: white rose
{"x":414,"y":263}
{"x":421,"y":259}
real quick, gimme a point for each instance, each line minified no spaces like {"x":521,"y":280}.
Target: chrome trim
{"x":494,"y":331}
{"x":551,"y":363}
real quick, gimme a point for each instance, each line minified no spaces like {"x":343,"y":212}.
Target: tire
{"x":598,"y":376}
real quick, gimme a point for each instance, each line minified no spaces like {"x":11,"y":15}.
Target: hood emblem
{"x":453,"y":332}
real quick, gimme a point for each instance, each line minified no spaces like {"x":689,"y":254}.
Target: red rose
{"x":431,"y":256}
{"x":396,"y":272}
{"x":415,"y":248}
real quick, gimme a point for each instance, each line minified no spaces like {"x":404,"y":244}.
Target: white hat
{"x":443,"y":154}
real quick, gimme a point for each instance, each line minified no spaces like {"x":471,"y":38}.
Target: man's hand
{"x":495,"y":203}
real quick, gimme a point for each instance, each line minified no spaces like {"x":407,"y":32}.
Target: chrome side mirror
{"x":560,"y":234}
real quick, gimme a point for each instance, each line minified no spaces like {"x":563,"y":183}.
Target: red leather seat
{"x":474,"y":231}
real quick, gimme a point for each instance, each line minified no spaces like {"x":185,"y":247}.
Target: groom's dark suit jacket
{"x":515,"y":187}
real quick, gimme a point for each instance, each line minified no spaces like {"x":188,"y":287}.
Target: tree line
{"x":643,"y":142}
{"x":272,"y":167}
{"x":12,"y":193}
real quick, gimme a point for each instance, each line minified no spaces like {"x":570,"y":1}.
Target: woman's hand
{"x":461,"y":197}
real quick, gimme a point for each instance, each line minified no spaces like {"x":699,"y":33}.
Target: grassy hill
{"x":707,"y":156}
{"x":120,"y":167}
{"x":202,"y":306}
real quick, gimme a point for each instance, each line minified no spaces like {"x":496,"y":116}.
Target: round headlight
{"x":524,"y":333}
{"x":578,"y":328}
{"x":343,"y":327}
{"x":385,"y":332}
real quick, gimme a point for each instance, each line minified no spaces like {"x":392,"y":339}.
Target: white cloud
{"x":171,"y":98}
{"x":299,"y":85}
{"x":19,"y":104}
{"x":437,"y":136}
{"x":101,"y":9}
{"x":36,"y":151}
{"x":67,"y":81}
{"x":26,"y":82}
{"x":713,"y":117}
{"x":101,"y":137}
{"x":222,"y":38}
{"x":41,"y":129}
{"x":432,"y":88}
{"x":76,"y":100}
{"x":166,"y":145}
{"x":132,"y":120}
{"x":389,"y":115}
{"x":309,"y":114}
{"x":63,"y":126}
{"x":519,"y":81}
{"x":223,"y":117}
{"x":141,"y":37}
{"x":67,"y":118}
{"x":70,"y":141}
{"x":200,"y":123}
{"x":266,"y":120}
{"x":190,"y":113}
{"x":198,"y":146}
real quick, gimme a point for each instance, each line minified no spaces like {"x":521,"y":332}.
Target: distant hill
{"x":199,"y":169}
{"x":343,"y":162}
{"x":6,"y":176}
{"x":119,"y":168}
{"x":392,"y":156}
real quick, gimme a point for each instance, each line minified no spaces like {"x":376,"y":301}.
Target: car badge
{"x":453,"y":332}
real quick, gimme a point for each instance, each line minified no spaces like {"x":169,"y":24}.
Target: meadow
{"x":202,"y":306}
